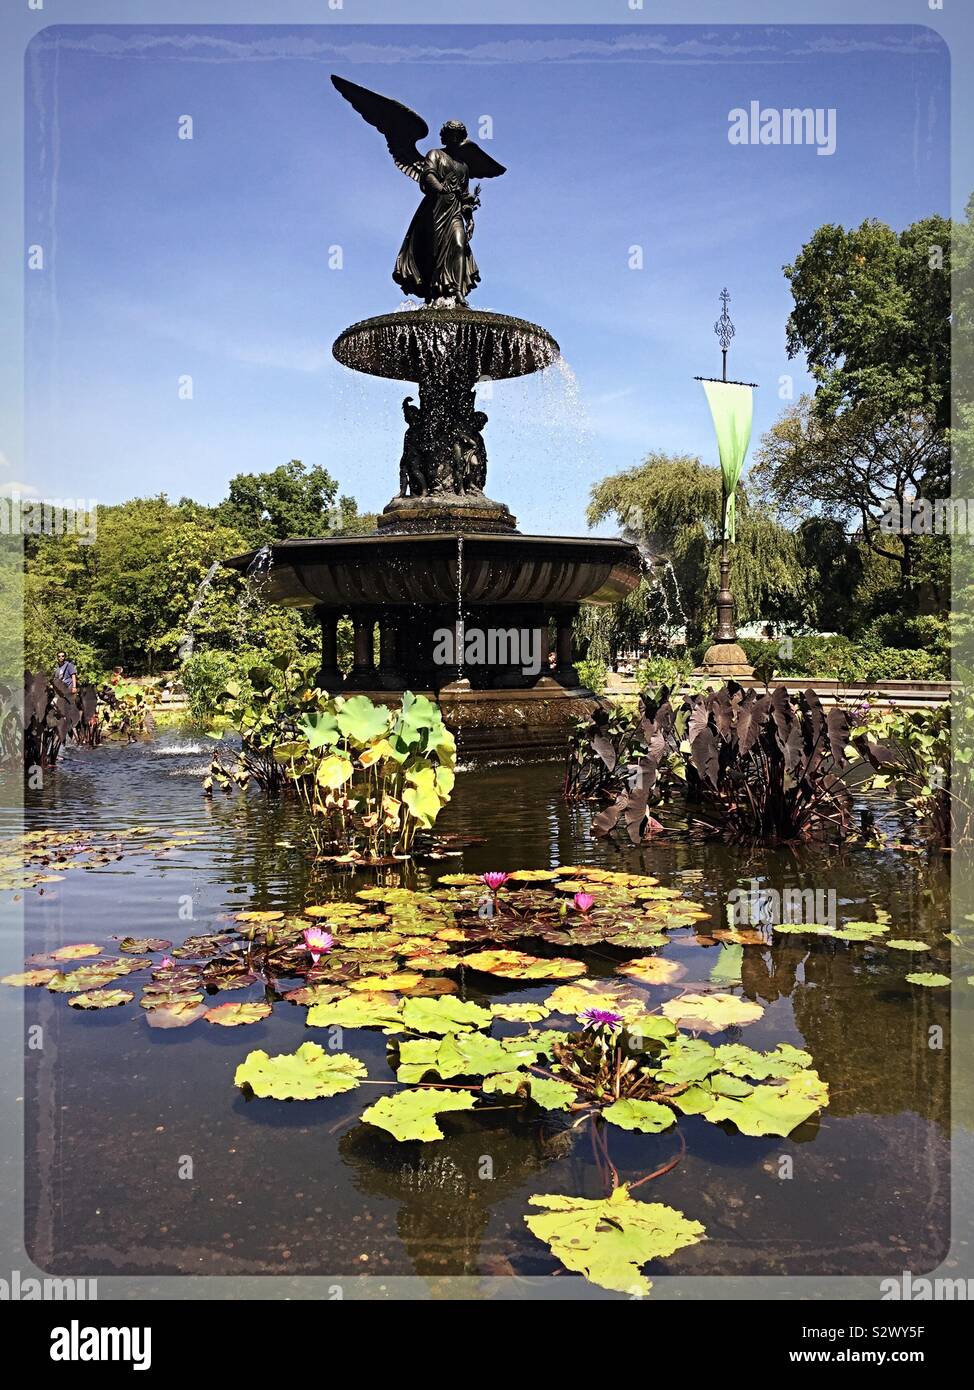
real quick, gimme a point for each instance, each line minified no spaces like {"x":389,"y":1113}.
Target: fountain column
{"x":363,"y":675}
{"x":389,"y":675}
{"x":564,"y":672}
{"x":329,"y":676}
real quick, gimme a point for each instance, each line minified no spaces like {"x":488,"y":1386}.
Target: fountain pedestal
{"x":445,"y":553}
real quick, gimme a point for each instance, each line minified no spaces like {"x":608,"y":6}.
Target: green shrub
{"x":594,"y":674}
{"x":843,"y":659}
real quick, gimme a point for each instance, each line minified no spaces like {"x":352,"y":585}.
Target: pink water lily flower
{"x":584,"y":902}
{"x":494,"y":880}
{"x":317,"y":942}
{"x":165,"y":963}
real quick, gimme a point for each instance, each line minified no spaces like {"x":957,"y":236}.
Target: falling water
{"x":460,"y":625}
{"x":256,"y":579}
{"x":188,"y":641}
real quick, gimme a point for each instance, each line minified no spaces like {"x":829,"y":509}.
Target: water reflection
{"x":112,"y":1105}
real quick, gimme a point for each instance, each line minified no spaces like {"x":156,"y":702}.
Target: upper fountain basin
{"x":340,"y":571}
{"x":413,"y":344}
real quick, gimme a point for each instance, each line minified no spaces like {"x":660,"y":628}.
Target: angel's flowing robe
{"x":435,"y":260}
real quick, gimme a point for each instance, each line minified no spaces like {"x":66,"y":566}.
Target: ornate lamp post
{"x":730,"y":408}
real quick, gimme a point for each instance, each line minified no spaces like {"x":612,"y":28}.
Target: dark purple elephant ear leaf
{"x":604,"y":747}
{"x":605,"y":822}
{"x":838,"y":726}
{"x":703,"y":756}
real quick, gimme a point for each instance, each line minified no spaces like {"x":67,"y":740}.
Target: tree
{"x":291,"y":500}
{"x":872,"y":315}
{"x":862,"y":467}
{"x":671,"y":506}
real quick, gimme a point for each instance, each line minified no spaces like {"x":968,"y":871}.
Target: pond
{"x":144,"y":1158}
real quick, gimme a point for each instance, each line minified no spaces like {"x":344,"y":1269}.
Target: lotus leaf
{"x":233,"y":1015}
{"x":443,"y":1015}
{"x":403,"y":982}
{"x":687,"y":1059}
{"x":358,"y":1011}
{"x":78,"y":952}
{"x":180,"y":1013}
{"x":29,"y":977}
{"x":739,"y":1060}
{"x":774,"y":1108}
{"x":648,"y":1116}
{"x":101,"y":999}
{"x":515,"y":965}
{"x":139,"y":945}
{"x":84,"y":978}
{"x":412,"y":1114}
{"x":547,"y":1093}
{"x":711,"y":1013}
{"x":520,"y":1013}
{"x":609,"y":1240}
{"x":306,"y":1074}
{"x":653,"y":970}
{"x":463,"y":1054}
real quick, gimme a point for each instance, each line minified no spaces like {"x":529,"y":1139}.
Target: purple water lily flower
{"x":602,"y":1018}
{"x":494,"y":880}
{"x":317,"y":942}
{"x":584,"y":902}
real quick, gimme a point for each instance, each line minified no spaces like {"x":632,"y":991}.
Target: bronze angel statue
{"x":435,"y":261}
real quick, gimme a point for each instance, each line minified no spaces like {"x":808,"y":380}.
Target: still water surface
{"x":115,"y":1109}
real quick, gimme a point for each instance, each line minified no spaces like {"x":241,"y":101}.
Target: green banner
{"x":731,"y":406}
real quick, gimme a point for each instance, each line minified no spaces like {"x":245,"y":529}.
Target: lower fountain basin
{"x":415,"y":344}
{"x":429,"y":569}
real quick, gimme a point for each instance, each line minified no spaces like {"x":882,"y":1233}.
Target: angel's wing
{"x":401,"y":127}
{"x":479,"y":164}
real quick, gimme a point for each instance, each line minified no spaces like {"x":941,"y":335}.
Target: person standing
{"x":66,"y":673}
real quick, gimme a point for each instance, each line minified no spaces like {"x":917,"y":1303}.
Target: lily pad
{"x":179,"y":1014}
{"x":609,"y":1240}
{"x":930,"y":978}
{"x":401,"y":981}
{"x":81,"y":951}
{"x":381,"y":1010}
{"x":306,"y":1074}
{"x":711,"y":1013}
{"x":101,"y":999}
{"x":520,"y":1013}
{"x":445,"y":1014}
{"x":545,"y":1091}
{"x":774,"y":1109}
{"x":648,"y":1116}
{"x":653,"y":970}
{"x":29,"y":977}
{"x":233,"y":1015}
{"x":463,"y":1054}
{"x":905,"y":944}
{"x":515,"y":965}
{"x":412,"y":1114}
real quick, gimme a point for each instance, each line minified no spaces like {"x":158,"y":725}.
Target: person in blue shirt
{"x":67,"y":673}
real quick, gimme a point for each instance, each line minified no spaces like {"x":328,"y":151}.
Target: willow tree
{"x":670,"y":506}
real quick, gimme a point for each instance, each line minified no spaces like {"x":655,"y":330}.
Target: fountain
{"x":445,"y":557}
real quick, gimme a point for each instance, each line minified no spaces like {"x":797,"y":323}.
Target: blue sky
{"x":209,"y":257}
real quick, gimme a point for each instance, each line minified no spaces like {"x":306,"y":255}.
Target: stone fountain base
{"x":465,"y":511}
{"x":524,"y":724}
